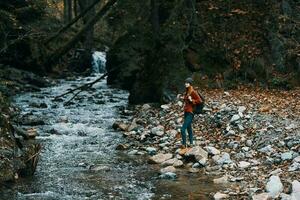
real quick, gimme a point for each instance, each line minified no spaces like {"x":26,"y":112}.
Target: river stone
{"x":194,"y":170}
{"x":222,"y":180}
{"x":297,"y":159}
{"x":122,"y":147}
{"x":168,"y":175}
{"x":133,"y":152}
{"x":31,"y":120}
{"x":151,"y":150}
{"x":295,"y":190}
{"x":174,"y":162}
{"x":235,"y":118}
{"x":294,"y":167}
{"x":267,"y":149}
{"x":165,"y":107}
{"x":120,"y":125}
{"x":287,"y":156}
{"x":285,"y":197}
{"x":198,"y":153}
{"x":146,"y":107}
{"x":212,"y":150}
{"x":262,"y":196}
{"x":274,"y":186}
{"x":31,"y":133}
{"x":99,"y":168}
{"x":168,"y":169}
{"x":244,"y":164}
{"x":241,"y":109}
{"x":133,"y":126}
{"x":160,"y":158}
{"x":159,"y":130}
{"x":224,"y":158}
{"x":220,"y":195}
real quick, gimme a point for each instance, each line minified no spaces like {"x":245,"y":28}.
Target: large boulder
{"x":199,"y":154}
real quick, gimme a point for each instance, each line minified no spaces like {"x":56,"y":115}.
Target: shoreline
{"x":244,"y":138}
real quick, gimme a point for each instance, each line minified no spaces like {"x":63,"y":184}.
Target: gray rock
{"x":274,"y":186}
{"x":212,"y":150}
{"x":100,"y":168}
{"x":196,"y":165}
{"x":133,"y":152}
{"x":235,"y":118}
{"x":193,"y":170}
{"x":249,"y":143}
{"x":219,"y":196}
{"x":160,"y":158}
{"x":168,"y":175}
{"x":151,"y":150}
{"x":285,"y":197}
{"x":297,"y":159}
{"x":159,"y":130}
{"x":198,"y":153}
{"x":244,"y":165}
{"x":262,"y":196}
{"x":222,"y":159}
{"x":295,"y":190}
{"x":241,"y":109}
{"x":146,"y":107}
{"x":267,"y":149}
{"x":165,"y":107}
{"x":287,"y":156}
{"x":168,"y":169}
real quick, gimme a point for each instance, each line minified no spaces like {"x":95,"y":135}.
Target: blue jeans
{"x":187,"y":124}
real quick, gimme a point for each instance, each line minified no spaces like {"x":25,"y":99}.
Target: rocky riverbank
{"x":18,"y":148}
{"x":248,"y":140}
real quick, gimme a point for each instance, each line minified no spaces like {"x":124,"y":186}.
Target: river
{"x":78,"y":158}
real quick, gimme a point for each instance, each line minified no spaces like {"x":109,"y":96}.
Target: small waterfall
{"x":98,"y":62}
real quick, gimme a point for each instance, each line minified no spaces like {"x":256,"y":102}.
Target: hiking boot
{"x":190,"y":145}
{"x":183,"y":150}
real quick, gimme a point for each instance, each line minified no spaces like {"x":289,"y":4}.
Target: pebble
{"x":219,"y":196}
{"x":168,"y":175}
{"x":235,"y":118}
{"x":244,"y":165}
{"x":168,"y":169}
{"x":287,"y":156}
{"x":262,"y":196}
{"x":224,"y":158}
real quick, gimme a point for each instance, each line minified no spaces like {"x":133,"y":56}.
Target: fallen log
{"x":80,"y":89}
{"x":56,"y":55}
{"x":66,"y":27}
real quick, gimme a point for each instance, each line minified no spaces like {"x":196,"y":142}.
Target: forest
{"x":80,"y":76}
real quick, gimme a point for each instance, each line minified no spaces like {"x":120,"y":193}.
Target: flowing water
{"x":78,"y":158}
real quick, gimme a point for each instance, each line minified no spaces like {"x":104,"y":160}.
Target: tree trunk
{"x":155,"y":18}
{"x":89,"y":37}
{"x":70,"y":10}
{"x":67,"y":11}
{"x":54,"y":57}
{"x":75,"y":8}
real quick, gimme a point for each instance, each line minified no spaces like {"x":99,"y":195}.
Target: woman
{"x":191,"y":98}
